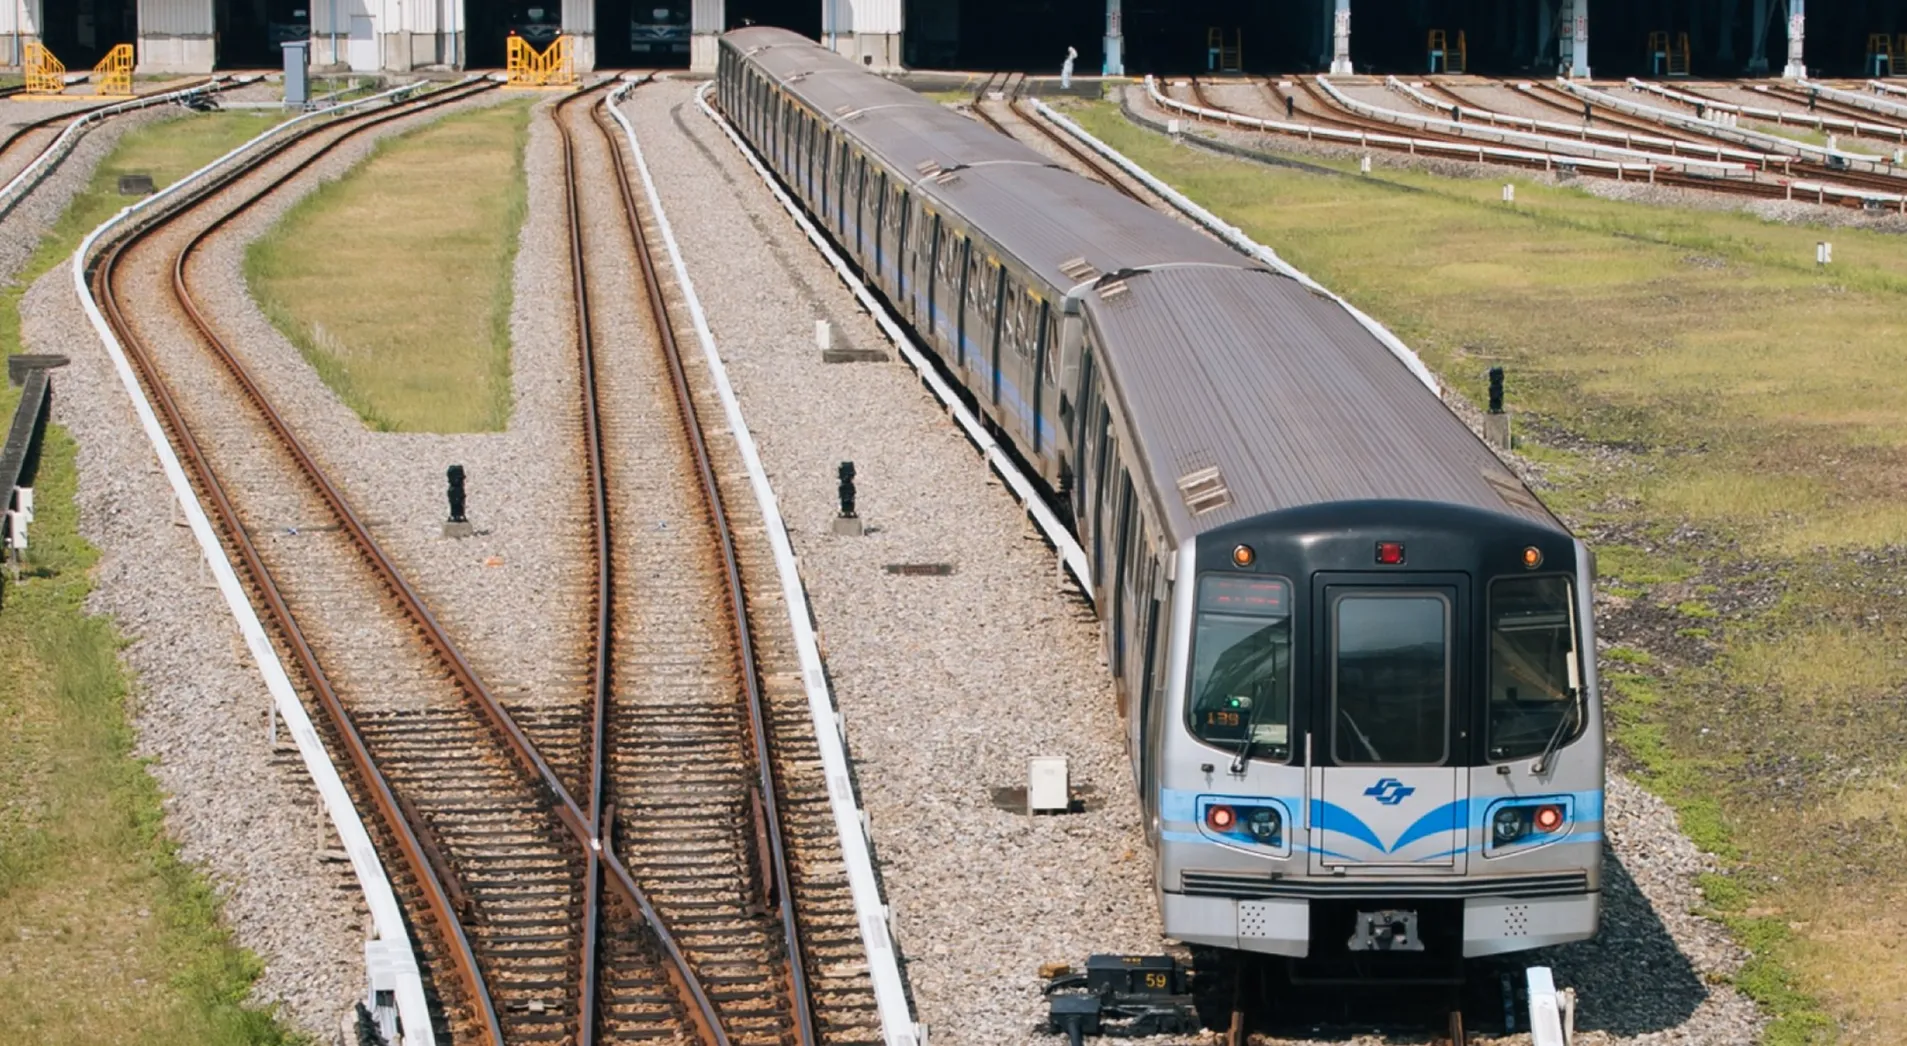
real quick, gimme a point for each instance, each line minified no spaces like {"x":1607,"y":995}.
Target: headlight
{"x":1528,"y":822}
{"x":1265,"y":825}
{"x":1247,"y":822}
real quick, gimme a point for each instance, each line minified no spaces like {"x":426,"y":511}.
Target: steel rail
{"x":805,"y":1030}
{"x":525,"y":752}
{"x":1085,"y":159}
{"x":600,"y":664}
{"x":697,"y":1005}
{"x":70,"y":116}
{"x":382,"y":795}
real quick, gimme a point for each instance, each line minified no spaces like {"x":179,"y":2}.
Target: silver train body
{"x":1354,"y":655}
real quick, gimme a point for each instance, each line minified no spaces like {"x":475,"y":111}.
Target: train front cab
{"x":1383,"y":749}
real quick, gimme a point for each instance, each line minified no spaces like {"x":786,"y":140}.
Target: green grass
{"x":1719,"y":417}
{"x":1814,"y":137}
{"x":405,"y":309}
{"x":105,"y":934}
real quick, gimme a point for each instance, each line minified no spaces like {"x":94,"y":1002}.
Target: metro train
{"x":1353,"y":652}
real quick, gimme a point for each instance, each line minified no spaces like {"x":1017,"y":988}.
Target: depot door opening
{"x":251,"y":34}
{"x":810,"y":18}
{"x":642,"y":34}
{"x":1012,"y":35}
{"x":80,"y":32}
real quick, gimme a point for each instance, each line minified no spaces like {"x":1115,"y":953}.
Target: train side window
{"x":1118,"y":581}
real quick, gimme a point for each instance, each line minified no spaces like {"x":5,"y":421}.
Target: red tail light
{"x":1390,"y":553}
{"x":1548,"y":818}
{"x":1221,"y":818}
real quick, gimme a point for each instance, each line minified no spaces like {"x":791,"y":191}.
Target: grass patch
{"x":1747,"y":496}
{"x":405,"y":312}
{"x":105,"y":935}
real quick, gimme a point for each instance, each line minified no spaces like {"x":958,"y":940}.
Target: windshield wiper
{"x":1251,"y":737}
{"x":1361,"y":738}
{"x":1556,"y":736}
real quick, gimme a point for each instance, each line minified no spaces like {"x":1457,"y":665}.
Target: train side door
{"x":1388,"y":725}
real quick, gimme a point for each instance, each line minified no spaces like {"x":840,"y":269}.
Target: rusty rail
{"x":431,"y":879}
{"x":805,"y":1031}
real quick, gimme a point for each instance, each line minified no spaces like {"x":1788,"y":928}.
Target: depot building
{"x":1604,"y":38}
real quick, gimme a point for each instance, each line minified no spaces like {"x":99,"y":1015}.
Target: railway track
{"x":1322,"y":110}
{"x":26,"y":142}
{"x":1083,"y":160}
{"x":493,"y":854}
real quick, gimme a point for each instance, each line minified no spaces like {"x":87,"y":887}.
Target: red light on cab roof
{"x":1390,"y":553}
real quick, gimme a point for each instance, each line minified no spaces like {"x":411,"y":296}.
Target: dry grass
{"x":105,"y":936}
{"x":396,"y":280}
{"x":1700,"y":370}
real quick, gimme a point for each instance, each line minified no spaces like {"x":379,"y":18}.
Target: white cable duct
{"x":1879,"y":106}
{"x":1236,"y":237}
{"x":1886,"y":88}
{"x":1415,"y":146}
{"x":412,"y":1007}
{"x":1566,"y":146}
{"x":1777,"y":116}
{"x":17,"y":188}
{"x":1628,"y":139}
{"x":1774,"y":143}
{"x":898,"y":1027}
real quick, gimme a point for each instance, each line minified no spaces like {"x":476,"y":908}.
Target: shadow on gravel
{"x":1632,"y":979}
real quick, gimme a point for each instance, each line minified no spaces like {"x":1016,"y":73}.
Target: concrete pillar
{"x":1115,"y":64}
{"x":1758,"y":37}
{"x":579,"y":24}
{"x":176,"y":37}
{"x":1797,"y":32}
{"x":706,"y":21}
{"x":1576,"y":25}
{"x":876,"y":41}
{"x":1341,"y":39}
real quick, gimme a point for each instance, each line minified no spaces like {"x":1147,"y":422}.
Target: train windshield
{"x":1241,"y":664}
{"x":1390,"y":679}
{"x":1534,"y":675}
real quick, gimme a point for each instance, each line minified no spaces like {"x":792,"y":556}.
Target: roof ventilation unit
{"x":1079,"y":270}
{"x":1204,"y":490}
{"x":1113,"y":290}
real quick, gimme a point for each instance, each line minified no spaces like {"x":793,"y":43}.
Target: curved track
{"x":491,"y":845}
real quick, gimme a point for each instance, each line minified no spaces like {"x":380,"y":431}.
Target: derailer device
{"x":1124,"y":996}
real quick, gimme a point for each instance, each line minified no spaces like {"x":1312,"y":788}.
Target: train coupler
{"x":1119,"y":996}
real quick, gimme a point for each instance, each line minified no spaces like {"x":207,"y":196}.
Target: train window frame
{"x":1364,"y":592}
{"x":1575,"y":680}
{"x":1272,"y":751}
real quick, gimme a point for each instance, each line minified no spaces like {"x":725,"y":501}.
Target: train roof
{"x":1217,"y":362}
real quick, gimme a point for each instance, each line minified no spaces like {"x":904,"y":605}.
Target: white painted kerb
{"x":378,"y":896}
{"x":890,"y":995}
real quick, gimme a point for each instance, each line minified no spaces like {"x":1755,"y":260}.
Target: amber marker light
{"x":1548,"y":818}
{"x":1221,"y":818}
{"x":1243,"y":556}
{"x":1532,"y":558}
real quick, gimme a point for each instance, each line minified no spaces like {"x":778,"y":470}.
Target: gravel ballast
{"x":947,"y":684}
{"x":242,"y":808}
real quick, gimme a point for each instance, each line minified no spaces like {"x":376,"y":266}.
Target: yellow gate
{"x":45,"y":74}
{"x":113,"y":74}
{"x":524,"y":66}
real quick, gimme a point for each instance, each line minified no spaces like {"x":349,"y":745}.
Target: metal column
{"x":1115,"y":64}
{"x":1576,"y":22}
{"x":1341,"y":39}
{"x":1797,"y":32}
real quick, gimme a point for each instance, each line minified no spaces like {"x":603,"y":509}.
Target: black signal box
{"x":1134,"y":975}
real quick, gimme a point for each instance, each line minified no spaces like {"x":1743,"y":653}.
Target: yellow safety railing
{"x":1224,"y":52}
{"x":525,"y":66}
{"x":1444,"y":58}
{"x":45,"y":74}
{"x":1666,"y":57}
{"x":1678,"y":56}
{"x":113,"y":74}
{"x":1899,"y":64}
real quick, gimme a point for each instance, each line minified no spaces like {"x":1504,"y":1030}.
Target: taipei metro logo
{"x":1390,"y":791}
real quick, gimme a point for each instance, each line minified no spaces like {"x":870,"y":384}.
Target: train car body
{"x":1353,"y":653}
